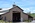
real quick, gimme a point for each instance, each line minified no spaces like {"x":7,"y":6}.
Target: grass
{"x":27,"y":20}
{"x":1,"y":21}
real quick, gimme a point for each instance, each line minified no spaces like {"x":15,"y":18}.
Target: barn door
{"x":16,"y":17}
{"x":0,"y":17}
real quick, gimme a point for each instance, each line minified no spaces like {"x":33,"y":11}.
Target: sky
{"x":26,"y":5}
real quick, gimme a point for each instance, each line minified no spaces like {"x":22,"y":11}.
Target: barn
{"x":15,"y":14}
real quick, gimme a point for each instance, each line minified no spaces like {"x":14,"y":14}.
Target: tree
{"x":29,"y":13}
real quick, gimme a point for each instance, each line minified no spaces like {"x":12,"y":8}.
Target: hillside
{"x":33,"y":14}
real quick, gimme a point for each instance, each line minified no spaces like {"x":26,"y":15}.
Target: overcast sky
{"x":26,"y":5}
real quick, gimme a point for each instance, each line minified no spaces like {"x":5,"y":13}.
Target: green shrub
{"x":27,"y":20}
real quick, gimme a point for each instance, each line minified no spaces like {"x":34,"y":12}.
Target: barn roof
{"x":28,"y":15}
{"x":17,"y":7}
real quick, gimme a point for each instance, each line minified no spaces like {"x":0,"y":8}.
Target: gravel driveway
{"x":33,"y":21}
{"x":25,"y":22}
{"x":20,"y":22}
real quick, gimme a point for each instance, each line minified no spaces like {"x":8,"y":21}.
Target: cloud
{"x":26,"y":9}
{"x":33,"y":11}
{"x":29,"y":9}
{"x":5,"y":8}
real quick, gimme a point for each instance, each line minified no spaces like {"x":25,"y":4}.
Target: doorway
{"x":0,"y":17}
{"x":16,"y":17}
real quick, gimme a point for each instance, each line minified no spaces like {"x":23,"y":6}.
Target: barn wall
{"x":24,"y":16}
{"x":8,"y":16}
